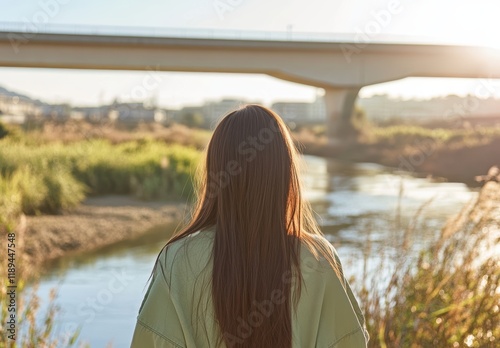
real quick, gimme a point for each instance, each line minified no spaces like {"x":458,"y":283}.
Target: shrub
{"x":53,"y":176}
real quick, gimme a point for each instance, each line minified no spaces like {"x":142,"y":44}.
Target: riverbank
{"x":441,"y":154}
{"x":96,"y":223}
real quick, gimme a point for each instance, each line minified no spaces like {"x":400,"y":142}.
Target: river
{"x":357,"y":205}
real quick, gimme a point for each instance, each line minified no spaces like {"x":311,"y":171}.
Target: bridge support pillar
{"x":339,"y":104}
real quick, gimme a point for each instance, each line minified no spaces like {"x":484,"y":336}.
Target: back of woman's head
{"x":251,"y":177}
{"x":250,"y":192}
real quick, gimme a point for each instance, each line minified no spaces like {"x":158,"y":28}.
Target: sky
{"x":445,"y":21}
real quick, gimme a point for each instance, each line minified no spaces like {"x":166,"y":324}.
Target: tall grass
{"x":10,"y":205}
{"x":33,"y":329}
{"x":447,"y":296}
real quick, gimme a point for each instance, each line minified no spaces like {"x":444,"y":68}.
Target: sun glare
{"x":467,"y":23}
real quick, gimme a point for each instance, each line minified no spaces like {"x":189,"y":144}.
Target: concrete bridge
{"x":341,"y":68}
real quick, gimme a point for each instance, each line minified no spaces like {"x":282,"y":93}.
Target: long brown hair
{"x":250,"y":192}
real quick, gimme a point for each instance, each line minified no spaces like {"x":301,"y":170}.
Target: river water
{"x":357,"y":205}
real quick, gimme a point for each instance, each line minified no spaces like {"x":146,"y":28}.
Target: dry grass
{"x":73,"y":131}
{"x":449,"y":295}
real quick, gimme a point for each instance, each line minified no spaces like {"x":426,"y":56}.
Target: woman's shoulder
{"x":316,"y":247}
{"x":193,"y":250}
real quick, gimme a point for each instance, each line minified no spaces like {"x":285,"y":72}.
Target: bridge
{"x":342,"y":67}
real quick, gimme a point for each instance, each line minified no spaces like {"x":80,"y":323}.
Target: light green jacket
{"x":176,"y":311}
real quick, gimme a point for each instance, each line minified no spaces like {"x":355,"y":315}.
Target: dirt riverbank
{"x":97,"y":222}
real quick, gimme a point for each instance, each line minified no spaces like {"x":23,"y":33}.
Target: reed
{"x":446,"y":296}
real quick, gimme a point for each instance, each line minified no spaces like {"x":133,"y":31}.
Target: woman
{"x":251,"y":269}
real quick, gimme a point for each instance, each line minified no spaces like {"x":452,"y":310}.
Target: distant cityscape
{"x":19,"y":108}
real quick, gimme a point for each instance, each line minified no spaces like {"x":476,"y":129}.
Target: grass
{"x":404,"y":135}
{"x":33,"y":330}
{"x":74,"y":131}
{"x":50,"y":177}
{"x":447,"y":296}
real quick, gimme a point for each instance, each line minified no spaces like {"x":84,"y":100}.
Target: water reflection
{"x":345,"y":193}
{"x":140,"y":248}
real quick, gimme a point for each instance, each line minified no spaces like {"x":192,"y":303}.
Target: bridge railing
{"x":193,"y":33}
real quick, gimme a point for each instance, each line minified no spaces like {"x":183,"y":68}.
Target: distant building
{"x":77,"y":115}
{"x":58,"y":112}
{"x":135,"y":112}
{"x":214,"y":110}
{"x":292,"y":111}
{"x":301,"y":112}
{"x":383,"y":107}
{"x":92,"y":113}
{"x":379,"y":107}
{"x":317,"y":110}
{"x":17,"y":109}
